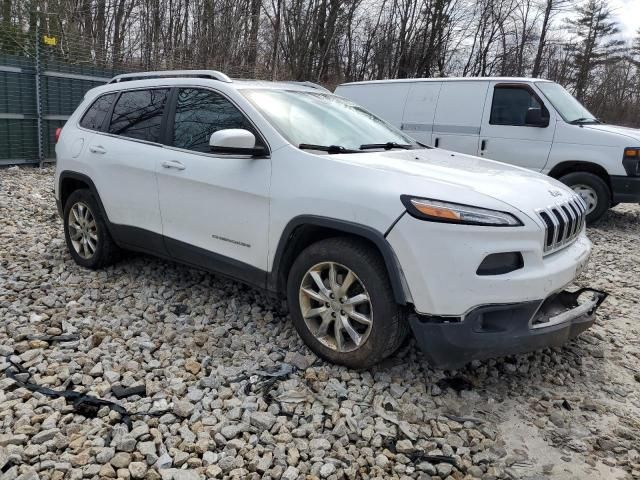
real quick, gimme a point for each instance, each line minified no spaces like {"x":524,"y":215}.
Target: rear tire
{"x":593,"y":190}
{"x":86,"y":233}
{"x":331,"y":315}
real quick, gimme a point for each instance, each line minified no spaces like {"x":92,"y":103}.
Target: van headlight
{"x":631,"y":161}
{"x":448,"y":212}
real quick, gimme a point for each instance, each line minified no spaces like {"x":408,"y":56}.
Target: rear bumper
{"x":625,"y":189}
{"x":498,"y":330}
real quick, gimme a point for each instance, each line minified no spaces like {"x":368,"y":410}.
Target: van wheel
{"x":593,"y":190}
{"x":86,"y":233}
{"x":342,"y":305}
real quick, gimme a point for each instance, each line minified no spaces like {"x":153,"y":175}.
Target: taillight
{"x":58,"y":132}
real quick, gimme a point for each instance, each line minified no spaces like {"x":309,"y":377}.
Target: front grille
{"x":564,"y":222}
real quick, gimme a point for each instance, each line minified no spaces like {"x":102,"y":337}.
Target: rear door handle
{"x":483,"y":145}
{"x":173,"y":164}
{"x":97,"y":149}
{"x":437,"y":142}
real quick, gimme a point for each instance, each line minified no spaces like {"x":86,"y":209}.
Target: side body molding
{"x":137,"y":239}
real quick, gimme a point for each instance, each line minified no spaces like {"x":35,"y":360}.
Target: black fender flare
{"x":81,"y":177}
{"x":376,"y":237}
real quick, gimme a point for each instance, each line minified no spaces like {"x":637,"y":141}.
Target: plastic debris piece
{"x":456,"y":383}
{"x":122,"y":392}
{"x":459,"y":419}
{"x":85,"y":405}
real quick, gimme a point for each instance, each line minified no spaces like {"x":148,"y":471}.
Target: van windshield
{"x":570,"y":109}
{"x":331,"y":123}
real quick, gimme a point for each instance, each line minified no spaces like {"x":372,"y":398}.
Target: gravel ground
{"x":202,"y":346}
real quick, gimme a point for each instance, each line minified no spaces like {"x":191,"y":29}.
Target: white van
{"x":527,"y":122}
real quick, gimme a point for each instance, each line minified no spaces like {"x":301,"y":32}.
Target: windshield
{"x":570,"y":109}
{"x":313,"y":119}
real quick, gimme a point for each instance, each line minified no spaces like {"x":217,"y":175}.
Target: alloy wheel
{"x":336,"y":306}
{"x":588,"y":194}
{"x":83,"y":230}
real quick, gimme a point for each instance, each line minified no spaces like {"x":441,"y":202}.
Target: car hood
{"x":424,"y":172}
{"x":633,"y":133}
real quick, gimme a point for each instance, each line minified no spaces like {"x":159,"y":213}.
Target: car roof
{"x":197,"y":77}
{"x":447,"y":79}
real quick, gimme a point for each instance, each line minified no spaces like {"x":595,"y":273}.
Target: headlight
{"x":631,"y":161}
{"x":447,"y":212}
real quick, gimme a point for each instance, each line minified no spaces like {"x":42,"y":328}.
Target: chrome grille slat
{"x":556,"y":226}
{"x":570,"y":219}
{"x":563,"y":223}
{"x":577,"y":214}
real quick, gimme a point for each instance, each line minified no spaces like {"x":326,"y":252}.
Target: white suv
{"x":367,"y":233}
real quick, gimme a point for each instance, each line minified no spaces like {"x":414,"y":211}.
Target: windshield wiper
{"x":386,"y":146}
{"x":584,"y":120}
{"x":326,"y":148}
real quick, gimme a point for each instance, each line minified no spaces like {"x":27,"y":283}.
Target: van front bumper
{"x":497,"y":330}
{"x":625,"y":189}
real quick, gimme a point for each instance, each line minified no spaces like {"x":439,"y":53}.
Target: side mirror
{"x":235,"y":141}
{"x":534,"y":118}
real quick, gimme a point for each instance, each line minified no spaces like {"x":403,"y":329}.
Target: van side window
{"x":138,"y":113}
{"x":510,"y":105}
{"x":200,"y":113}
{"x":94,"y":118}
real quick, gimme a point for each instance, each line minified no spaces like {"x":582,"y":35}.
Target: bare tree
{"x":331,"y":41}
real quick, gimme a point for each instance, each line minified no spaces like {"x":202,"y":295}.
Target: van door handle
{"x":437,"y":142}
{"x":173,"y":164}
{"x":483,"y":145}
{"x":97,"y":149}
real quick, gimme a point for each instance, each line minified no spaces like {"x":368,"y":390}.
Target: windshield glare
{"x":322,"y":119}
{"x":567,"y":106}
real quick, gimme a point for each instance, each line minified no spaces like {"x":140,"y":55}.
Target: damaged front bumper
{"x":498,"y":330}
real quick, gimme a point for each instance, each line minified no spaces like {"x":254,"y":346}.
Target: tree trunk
{"x":253,"y":34}
{"x":537,"y":63}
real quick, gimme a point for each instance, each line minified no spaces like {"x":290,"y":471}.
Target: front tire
{"x":342,"y":305}
{"x":86,"y":233}
{"x":593,"y":190}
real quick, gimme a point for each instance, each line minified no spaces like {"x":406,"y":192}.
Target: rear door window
{"x":200,"y":113}
{"x":94,"y":118}
{"x":138,"y":114}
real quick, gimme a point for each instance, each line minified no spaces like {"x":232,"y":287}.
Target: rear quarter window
{"x":93,"y":119}
{"x":138,"y":114}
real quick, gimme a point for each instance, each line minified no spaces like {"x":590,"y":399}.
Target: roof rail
{"x":311,"y":85}
{"x":212,"y":74}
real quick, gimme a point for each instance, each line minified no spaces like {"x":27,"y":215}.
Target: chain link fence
{"x":39,"y":90}
{"x":44,"y":75}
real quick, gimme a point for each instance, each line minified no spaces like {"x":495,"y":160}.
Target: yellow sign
{"x":50,"y":40}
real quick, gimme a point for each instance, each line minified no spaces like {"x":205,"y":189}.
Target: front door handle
{"x":483,"y":145}
{"x":97,"y":149}
{"x":173,"y":164}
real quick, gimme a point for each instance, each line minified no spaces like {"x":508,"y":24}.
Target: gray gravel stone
{"x":183,"y":408}
{"x":121,"y":460}
{"x":104,"y":455}
{"x":138,"y":469}
{"x":327,"y":470}
{"x":195,"y":340}
{"x":44,"y":436}
{"x":320,"y":444}
{"x":291,"y":473}
{"x":262,"y":420}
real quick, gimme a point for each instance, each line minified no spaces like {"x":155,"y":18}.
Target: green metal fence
{"x":37,"y":95}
